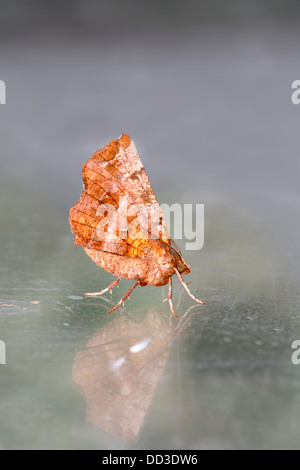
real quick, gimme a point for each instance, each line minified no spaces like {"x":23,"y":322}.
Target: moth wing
{"x":119,"y":162}
{"x":117,"y":212}
{"x":95,"y":222}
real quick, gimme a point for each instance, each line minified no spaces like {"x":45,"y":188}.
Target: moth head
{"x":180,"y":264}
{"x":183,"y":267}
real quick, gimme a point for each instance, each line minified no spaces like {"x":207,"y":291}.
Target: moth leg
{"x":186,"y":287}
{"x":169,"y":298}
{"x":124,"y":297}
{"x":110,"y":288}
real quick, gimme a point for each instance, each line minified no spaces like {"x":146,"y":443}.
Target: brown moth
{"x":119,"y":224}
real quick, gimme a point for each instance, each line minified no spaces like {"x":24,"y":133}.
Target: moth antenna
{"x":124,"y":297}
{"x":186,"y":288}
{"x":177,"y":247}
{"x":109,"y":288}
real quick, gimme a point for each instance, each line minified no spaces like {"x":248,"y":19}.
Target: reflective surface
{"x":211,"y":115}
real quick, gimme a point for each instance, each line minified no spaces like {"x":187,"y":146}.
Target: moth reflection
{"x":120,"y":368}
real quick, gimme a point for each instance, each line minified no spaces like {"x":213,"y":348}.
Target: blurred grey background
{"x":206,"y":84}
{"x":204,"y":90}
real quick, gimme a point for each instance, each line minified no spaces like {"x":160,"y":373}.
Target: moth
{"x":119,"y":223}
